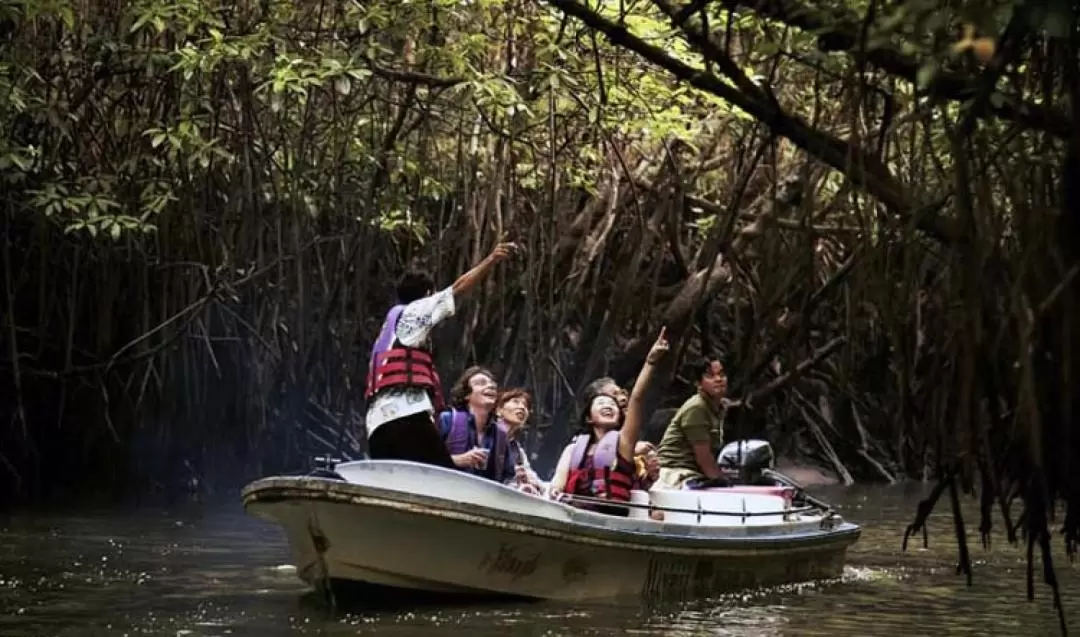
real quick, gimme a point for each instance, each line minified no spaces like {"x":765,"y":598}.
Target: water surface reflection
{"x":197,"y":571}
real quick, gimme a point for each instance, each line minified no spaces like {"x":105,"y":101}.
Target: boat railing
{"x":699,"y":511}
{"x":790,"y":482}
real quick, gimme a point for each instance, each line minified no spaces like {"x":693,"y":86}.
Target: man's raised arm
{"x":468,"y":281}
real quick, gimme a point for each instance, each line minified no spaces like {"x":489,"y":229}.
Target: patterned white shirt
{"x":413,"y":330}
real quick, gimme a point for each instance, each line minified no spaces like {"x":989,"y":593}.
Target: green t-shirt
{"x":696,"y":421}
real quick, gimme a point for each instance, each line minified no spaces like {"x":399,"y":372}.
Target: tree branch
{"x":412,"y":77}
{"x":789,"y":377}
{"x":861,"y":167}
{"x":841,"y":35}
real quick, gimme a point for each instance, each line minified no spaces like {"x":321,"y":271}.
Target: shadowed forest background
{"x":865,"y":206}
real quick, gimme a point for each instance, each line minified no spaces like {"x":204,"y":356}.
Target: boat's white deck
{"x":431,"y":482}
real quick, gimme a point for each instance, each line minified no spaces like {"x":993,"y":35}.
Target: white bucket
{"x":639,"y":497}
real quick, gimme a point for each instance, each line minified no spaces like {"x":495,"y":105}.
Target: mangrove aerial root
{"x":923,"y":511}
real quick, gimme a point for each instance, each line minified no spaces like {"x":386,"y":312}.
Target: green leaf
{"x":926,"y":74}
{"x":342,"y":85}
{"x":143,"y":19}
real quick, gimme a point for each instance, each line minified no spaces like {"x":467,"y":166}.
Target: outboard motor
{"x":743,"y":461}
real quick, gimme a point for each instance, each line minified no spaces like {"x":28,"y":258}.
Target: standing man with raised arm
{"x":403,"y":388}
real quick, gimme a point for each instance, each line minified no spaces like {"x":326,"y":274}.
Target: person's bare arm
{"x":562,"y":471}
{"x":705,"y":460}
{"x":631,"y":429}
{"x":468,"y":281}
{"x":697,"y":430}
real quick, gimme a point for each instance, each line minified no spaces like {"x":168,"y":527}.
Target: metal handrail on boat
{"x":789,"y":482}
{"x":698,"y":511}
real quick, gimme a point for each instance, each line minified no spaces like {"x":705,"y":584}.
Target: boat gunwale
{"x":277,"y":489}
{"x":593,"y":501}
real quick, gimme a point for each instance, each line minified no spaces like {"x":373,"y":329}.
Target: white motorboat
{"x":406,"y":525}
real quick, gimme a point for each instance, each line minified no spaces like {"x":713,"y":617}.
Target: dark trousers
{"x":410,"y":438}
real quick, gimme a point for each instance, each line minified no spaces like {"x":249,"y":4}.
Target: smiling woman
{"x":477,"y":443}
{"x":474,"y":379}
{"x":599,"y":462}
{"x":512,"y":408}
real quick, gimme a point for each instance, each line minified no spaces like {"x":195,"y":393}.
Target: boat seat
{"x":787,"y":493}
{"x":726,"y":500}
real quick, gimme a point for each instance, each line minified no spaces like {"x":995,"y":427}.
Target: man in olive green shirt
{"x":695,"y":434}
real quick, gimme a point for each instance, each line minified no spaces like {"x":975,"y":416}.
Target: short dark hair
{"x":589,"y":396}
{"x":598,"y":384}
{"x":511,"y":394}
{"x":700,"y":367}
{"x":459,"y":393}
{"x":415,"y":284}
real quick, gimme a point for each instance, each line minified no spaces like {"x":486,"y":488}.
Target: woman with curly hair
{"x":470,"y":431}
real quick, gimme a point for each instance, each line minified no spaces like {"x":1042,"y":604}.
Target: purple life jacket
{"x":386,"y":335}
{"x":604,"y":456}
{"x":460,"y":440}
{"x":401,"y":366}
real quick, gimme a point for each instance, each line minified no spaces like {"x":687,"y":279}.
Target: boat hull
{"x":521,"y":546}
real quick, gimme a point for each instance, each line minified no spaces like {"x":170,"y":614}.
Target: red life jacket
{"x":401,"y":366}
{"x":606,"y":476}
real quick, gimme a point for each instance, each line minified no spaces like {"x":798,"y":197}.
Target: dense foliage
{"x":862,"y":204}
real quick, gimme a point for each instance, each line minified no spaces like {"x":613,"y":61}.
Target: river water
{"x":198,"y":570}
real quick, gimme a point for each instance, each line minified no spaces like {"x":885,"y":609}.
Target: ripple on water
{"x":207,"y":573}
